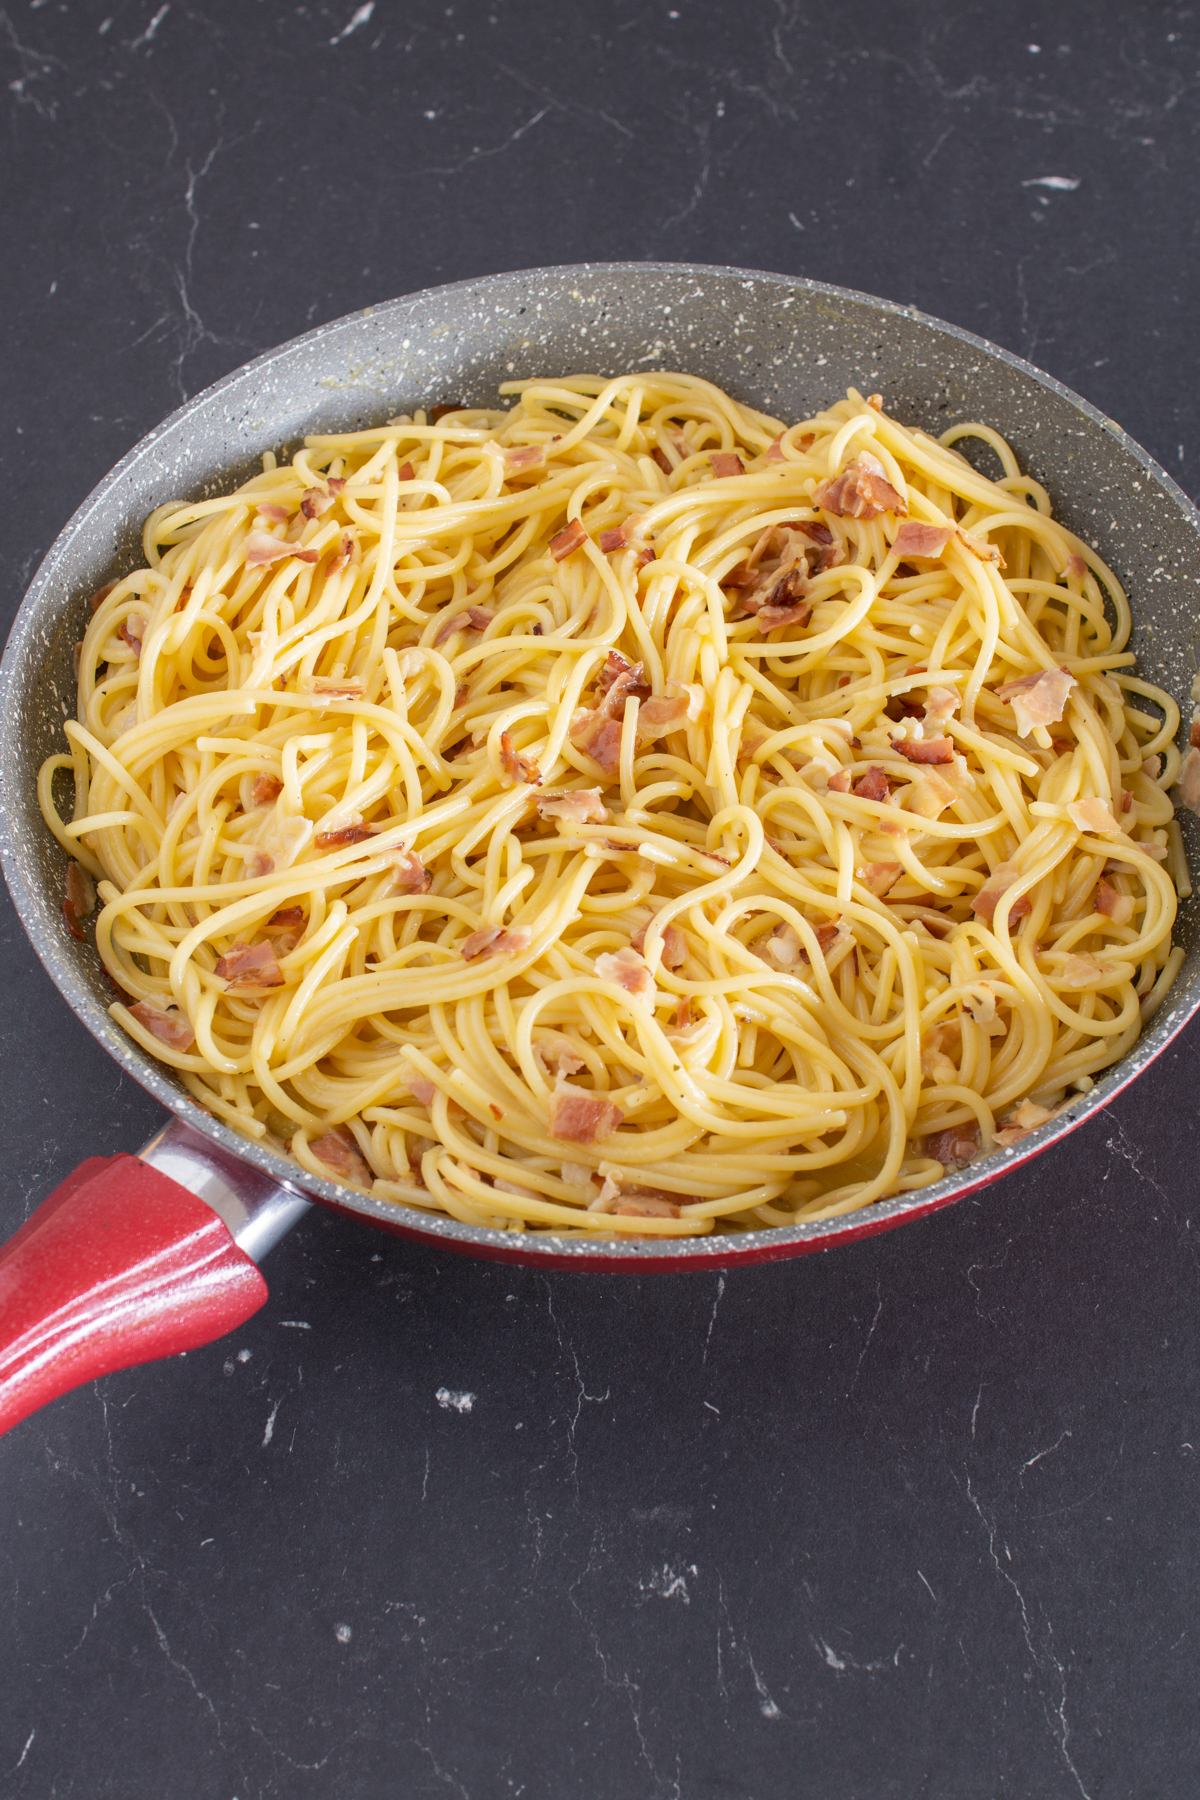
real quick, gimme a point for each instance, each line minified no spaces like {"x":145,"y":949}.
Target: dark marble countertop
{"x":913,"y":1518}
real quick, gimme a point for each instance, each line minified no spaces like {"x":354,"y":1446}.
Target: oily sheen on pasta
{"x":618,"y":812}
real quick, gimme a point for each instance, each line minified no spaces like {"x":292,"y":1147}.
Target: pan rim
{"x":714,"y":1251}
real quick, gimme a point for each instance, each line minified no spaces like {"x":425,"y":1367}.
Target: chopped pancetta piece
{"x":565,"y":542}
{"x":336,"y":687}
{"x":410,"y":876}
{"x":598,"y":732}
{"x":339,"y":1152}
{"x":250,"y":966}
{"x":78,"y":899}
{"x":674,"y":945}
{"x":268,"y":510}
{"x":261,"y":548}
{"x":314,"y":502}
{"x":784,"y":605}
{"x":726,"y":463}
{"x":1002,"y":877}
{"x":781,"y":947}
{"x":1126,"y":800}
{"x":438,"y":412}
{"x":356,"y":832}
{"x":656,"y":717}
{"x":405,"y":472}
{"x":955,"y":1147}
{"x":1037,"y":699}
{"x":494,"y":940}
{"x":169,"y":1027}
{"x":930,"y":796}
{"x":131,"y":631}
{"x":628,"y":970}
{"x":577,"y":1117}
{"x":925,"y":750}
{"x":1082,"y":971}
{"x":879,"y":876}
{"x":614,"y":666}
{"x":873,"y":785}
{"x":516,"y":767}
{"x":1092,"y":815}
{"x":421,"y":1090}
{"x":557,"y":1056}
{"x":1188,"y":788}
{"x":861,"y":491}
{"x":581,"y":806}
{"x":981,"y":548}
{"x":916,"y":539}
{"x":524,"y":457}
{"x":346,"y":550}
{"x":258,"y":790}
{"x":839,"y":781}
{"x":335,"y":483}
{"x":1113,"y":904}
{"x":774,"y":452}
{"x":941,"y":704}
{"x":475,"y":618}
{"x":637,"y":1205}
{"x":1074,"y":569}
{"x":285,"y":918}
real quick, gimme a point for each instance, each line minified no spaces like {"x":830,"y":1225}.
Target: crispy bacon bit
{"x":636,"y":1205}
{"x":314,"y":502}
{"x":345,"y":551}
{"x":557,"y":1056}
{"x":615,"y":665}
{"x":930,"y":796}
{"x":565,"y":542}
{"x":580,"y":806}
{"x":250,"y":966}
{"x":405,"y":472}
{"x":839,"y":781}
{"x":438,"y":412}
{"x":879,"y":876}
{"x":410,"y":874}
{"x":726,"y":463}
{"x":261,"y":548}
{"x":494,"y":940}
{"x":101,"y":595}
{"x":598,"y":732}
{"x":577,"y":1117}
{"x":171,"y":1028}
{"x":1082,"y":971}
{"x":286,"y":917}
{"x":131,"y":630}
{"x":1188,"y":788}
{"x":1113,"y":904}
{"x":258,"y":864}
{"x":1092,"y":815}
{"x":997,"y":884}
{"x":268,"y":510}
{"x":925,"y":750}
{"x":657,"y":717}
{"x":915,"y":539}
{"x":78,"y":899}
{"x":338,"y":835}
{"x":1037,"y":699}
{"x":516,"y":767}
{"x":954,"y":1148}
{"x":335,"y":483}
{"x":674,"y":945}
{"x":525,"y":456}
{"x":628,"y":970}
{"x":1075,"y":568}
{"x":784,"y":605}
{"x":337,"y":1149}
{"x":615,"y":538}
{"x":258,"y":790}
{"x":941,"y":704}
{"x":861,"y":491}
{"x":872,"y":786}
{"x":475,"y":618}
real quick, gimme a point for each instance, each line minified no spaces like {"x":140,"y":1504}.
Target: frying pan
{"x":137,"y":1257}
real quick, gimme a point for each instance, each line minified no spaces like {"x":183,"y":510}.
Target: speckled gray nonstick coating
{"x":784,"y":345}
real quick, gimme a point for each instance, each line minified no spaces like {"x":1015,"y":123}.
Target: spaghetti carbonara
{"x":619,"y":812}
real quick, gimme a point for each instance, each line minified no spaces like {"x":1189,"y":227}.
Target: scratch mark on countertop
{"x":712,"y":1320}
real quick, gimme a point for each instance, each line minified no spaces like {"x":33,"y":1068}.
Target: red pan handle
{"x":120,"y":1265}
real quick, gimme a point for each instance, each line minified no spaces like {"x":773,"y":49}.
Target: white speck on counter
{"x":269,"y":1433}
{"x":359,"y":17}
{"x":343,"y":1633}
{"x":296,"y":1324}
{"x":1063,"y":184}
{"x":244,"y":1355}
{"x":461,"y":1403}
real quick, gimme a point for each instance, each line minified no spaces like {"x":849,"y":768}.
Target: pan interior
{"x":785,"y":346}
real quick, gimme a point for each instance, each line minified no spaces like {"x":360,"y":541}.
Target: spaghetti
{"x":623,"y":813}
